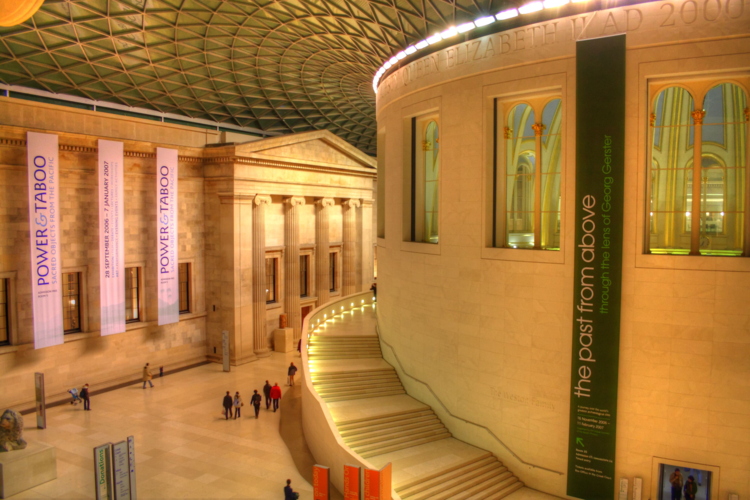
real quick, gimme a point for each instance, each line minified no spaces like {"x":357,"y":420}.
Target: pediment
{"x":318,"y":147}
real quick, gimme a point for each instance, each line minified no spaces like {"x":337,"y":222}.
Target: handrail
{"x":489,"y":431}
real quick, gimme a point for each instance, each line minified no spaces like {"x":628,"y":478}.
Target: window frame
{"x":501,"y":109}
{"x":334,"y":272}
{"x":698,"y":89}
{"x":139,"y":294}
{"x":6,"y":306}
{"x":274,"y":281}
{"x":78,"y":304}
{"x":308,"y":254}
{"x":419,"y":125}
{"x":188,"y":287}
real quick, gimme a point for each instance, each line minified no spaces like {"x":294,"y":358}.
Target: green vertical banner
{"x":600,"y":161}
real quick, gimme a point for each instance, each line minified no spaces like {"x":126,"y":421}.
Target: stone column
{"x":349,"y":276}
{"x":366,"y":225}
{"x":322,"y":259}
{"x":291,"y":263}
{"x":260,"y":335}
{"x":235,"y":268}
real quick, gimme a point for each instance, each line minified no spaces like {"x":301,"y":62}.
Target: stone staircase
{"x":343,"y":347}
{"x":483,"y":477}
{"x":345,"y":385}
{"x":386,"y":425}
{"x":374,"y":436}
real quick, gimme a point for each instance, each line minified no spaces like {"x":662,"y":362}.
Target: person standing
{"x":237,"y":404}
{"x":147,"y":376}
{"x":227,"y":406}
{"x":289,"y":493}
{"x":267,"y":393}
{"x":291,"y":372}
{"x":275,"y":396}
{"x":675,"y":479}
{"x":691,"y":489}
{"x":85,"y":397}
{"x":255,"y":400}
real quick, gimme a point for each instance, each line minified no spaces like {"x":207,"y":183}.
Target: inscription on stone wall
{"x":498,"y":393}
{"x":660,"y":16}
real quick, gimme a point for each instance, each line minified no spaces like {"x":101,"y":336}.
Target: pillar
{"x":291,"y":263}
{"x":322,"y":259}
{"x":260,"y":335}
{"x":351,"y":247}
{"x":365,"y":224}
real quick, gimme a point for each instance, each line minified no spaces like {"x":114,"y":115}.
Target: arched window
{"x":425,"y":179}
{"x":532,"y":196}
{"x":698,"y":162}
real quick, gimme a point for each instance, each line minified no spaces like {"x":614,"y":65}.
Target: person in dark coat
{"x":291,"y":372}
{"x":289,"y":493}
{"x":255,"y":400}
{"x":267,"y":393}
{"x":691,"y":489}
{"x":228,"y":405}
{"x":85,"y":397}
{"x":275,"y":396}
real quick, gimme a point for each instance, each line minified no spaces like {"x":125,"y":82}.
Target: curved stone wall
{"x":490,"y":328}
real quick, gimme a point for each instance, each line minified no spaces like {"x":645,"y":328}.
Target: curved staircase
{"x":381,"y":423}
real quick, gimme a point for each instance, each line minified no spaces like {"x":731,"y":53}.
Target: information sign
{"x":103,"y":472}
{"x":321,"y":483}
{"x":351,"y":482}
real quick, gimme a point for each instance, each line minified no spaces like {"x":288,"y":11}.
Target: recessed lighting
{"x":401,"y":55}
{"x":484,"y":21}
{"x":507,"y":14}
{"x":434,"y":39}
{"x":422,"y":44}
{"x":531,"y":7}
{"x":463,"y":28}
{"x":452,"y":31}
{"x":410,"y":50}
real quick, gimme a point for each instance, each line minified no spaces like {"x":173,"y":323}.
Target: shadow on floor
{"x":290,"y":428}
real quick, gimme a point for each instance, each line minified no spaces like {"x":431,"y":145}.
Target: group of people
{"x":233,"y":405}
{"x":680,"y":486}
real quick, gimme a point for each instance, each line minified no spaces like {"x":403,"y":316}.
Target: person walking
{"x":255,"y":401}
{"x":291,"y":372}
{"x":267,"y":393}
{"x":691,"y":488}
{"x":275,"y":396}
{"x":289,"y":493}
{"x":237,"y":404}
{"x":675,"y":479}
{"x":85,"y":397}
{"x":227,"y":406}
{"x":147,"y":376}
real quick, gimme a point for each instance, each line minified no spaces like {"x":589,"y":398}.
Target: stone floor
{"x":184,"y":446}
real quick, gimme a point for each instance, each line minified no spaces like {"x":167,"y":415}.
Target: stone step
{"x":387,"y":426}
{"x":425,"y":482}
{"x":343,"y":356}
{"x":344,"y":338}
{"x":384,"y":418}
{"x":329,"y":384}
{"x":400,"y":438}
{"x":488,"y":487}
{"x":333,"y":399}
{"x":460,"y":486}
{"x":352,"y":373}
{"x":517,"y":485}
{"x":398,"y":433}
{"x":401,"y":446}
{"x":318,"y":352}
{"x":340,"y":391}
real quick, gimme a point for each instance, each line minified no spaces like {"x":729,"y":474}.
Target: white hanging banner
{"x":166,"y":237}
{"x":111,"y":237}
{"x":46,"y":285}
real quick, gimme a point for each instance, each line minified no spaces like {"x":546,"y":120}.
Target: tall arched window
{"x":698,"y":161}
{"x":425,"y":179}
{"x":532,"y":175}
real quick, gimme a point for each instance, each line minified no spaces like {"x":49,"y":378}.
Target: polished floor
{"x":184,"y":446}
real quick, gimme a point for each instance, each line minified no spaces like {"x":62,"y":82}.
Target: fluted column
{"x":291,"y":263}
{"x":260,"y":336}
{"x":349,"y":276}
{"x":322,"y":259}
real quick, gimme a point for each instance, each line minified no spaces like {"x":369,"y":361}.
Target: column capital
{"x":353,"y":203}
{"x":262,"y":199}
{"x":325,"y":202}
{"x":367,"y":203}
{"x":294,"y":201}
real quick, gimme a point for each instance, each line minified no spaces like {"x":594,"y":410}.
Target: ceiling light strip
{"x":450,"y":32}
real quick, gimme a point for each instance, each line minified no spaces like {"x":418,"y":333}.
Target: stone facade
{"x":490,"y":329}
{"x":218,"y":190}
